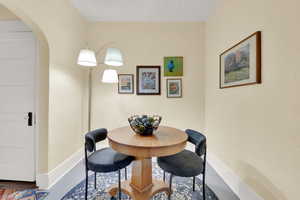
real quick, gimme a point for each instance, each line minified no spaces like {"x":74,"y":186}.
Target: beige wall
{"x":147,"y":44}
{"x":255,"y":129}
{"x":65,"y":31}
{"x":5,"y":14}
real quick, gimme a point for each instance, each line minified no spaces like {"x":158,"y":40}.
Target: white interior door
{"x":17,"y":101}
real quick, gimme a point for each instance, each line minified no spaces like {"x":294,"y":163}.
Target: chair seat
{"x":108,"y":160}
{"x":184,"y":164}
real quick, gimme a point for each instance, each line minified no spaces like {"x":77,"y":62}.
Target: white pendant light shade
{"x":87,"y":58}
{"x":110,"y":76}
{"x":113,"y":57}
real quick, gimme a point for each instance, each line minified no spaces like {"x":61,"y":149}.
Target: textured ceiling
{"x":144,"y":10}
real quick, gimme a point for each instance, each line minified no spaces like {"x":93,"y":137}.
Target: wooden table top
{"x":165,"y":141}
{"x":163,"y":137}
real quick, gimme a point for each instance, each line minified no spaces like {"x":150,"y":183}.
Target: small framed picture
{"x":148,"y":80}
{"x":174,"y":88}
{"x":173,"y":66}
{"x":241,"y":64}
{"x":126,"y":84}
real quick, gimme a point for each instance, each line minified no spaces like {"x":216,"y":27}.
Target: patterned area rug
{"x":182,"y":187}
{"x":32,"y":194}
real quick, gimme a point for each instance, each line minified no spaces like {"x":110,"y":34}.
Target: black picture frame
{"x":157,"y":83}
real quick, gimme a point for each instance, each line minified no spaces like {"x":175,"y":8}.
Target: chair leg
{"x":194,"y":183}
{"x":203,"y":177}
{"x":125,"y":173}
{"x":203,"y":185}
{"x":95,"y":181}
{"x":119,"y":185}
{"x":170,"y":186}
{"x":164,"y":177}
{"x":86,"y":183}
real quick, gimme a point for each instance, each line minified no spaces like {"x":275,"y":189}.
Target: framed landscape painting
{"x":173,"y":66}
{"x":174,"y":88}
{"x":241,"y":64}
{"x":126,"y":84}
{"x":148,"y":80}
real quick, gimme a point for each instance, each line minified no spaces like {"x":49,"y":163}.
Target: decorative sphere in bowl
{"x":144,"y":124}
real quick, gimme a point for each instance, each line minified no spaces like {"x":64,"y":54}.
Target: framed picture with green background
{"x":173,"y":66}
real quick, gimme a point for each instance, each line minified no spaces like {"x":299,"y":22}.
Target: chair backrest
{"x":198,"y":139}
{"x":92,"y":137}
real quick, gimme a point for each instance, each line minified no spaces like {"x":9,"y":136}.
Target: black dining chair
{"x":103,"y":160}
{"x":187,"y":163}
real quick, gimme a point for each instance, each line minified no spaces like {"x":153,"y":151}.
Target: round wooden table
{"x":165,"y":141}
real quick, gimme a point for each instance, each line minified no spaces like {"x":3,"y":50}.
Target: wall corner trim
{"x":240,"y":188}
{"x":48,"y":180}
{"x":42,"y":181}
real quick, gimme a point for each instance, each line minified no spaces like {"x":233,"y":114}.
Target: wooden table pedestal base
{"x":164,"y":142}
{"x":158,"y":186}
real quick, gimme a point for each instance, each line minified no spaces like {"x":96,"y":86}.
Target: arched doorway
{"x":35,"y":99}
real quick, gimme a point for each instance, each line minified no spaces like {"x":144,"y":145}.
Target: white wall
{"x":147,"y":44}
{"x":42,"y":90}
{"x":255,"y":129}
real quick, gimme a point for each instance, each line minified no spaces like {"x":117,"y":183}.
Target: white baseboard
{"x":42,"y":181}
{"x":240,"y":188}
{"x":47,"y":180}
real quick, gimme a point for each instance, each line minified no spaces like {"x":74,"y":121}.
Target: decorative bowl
{"x":144,"y":124}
